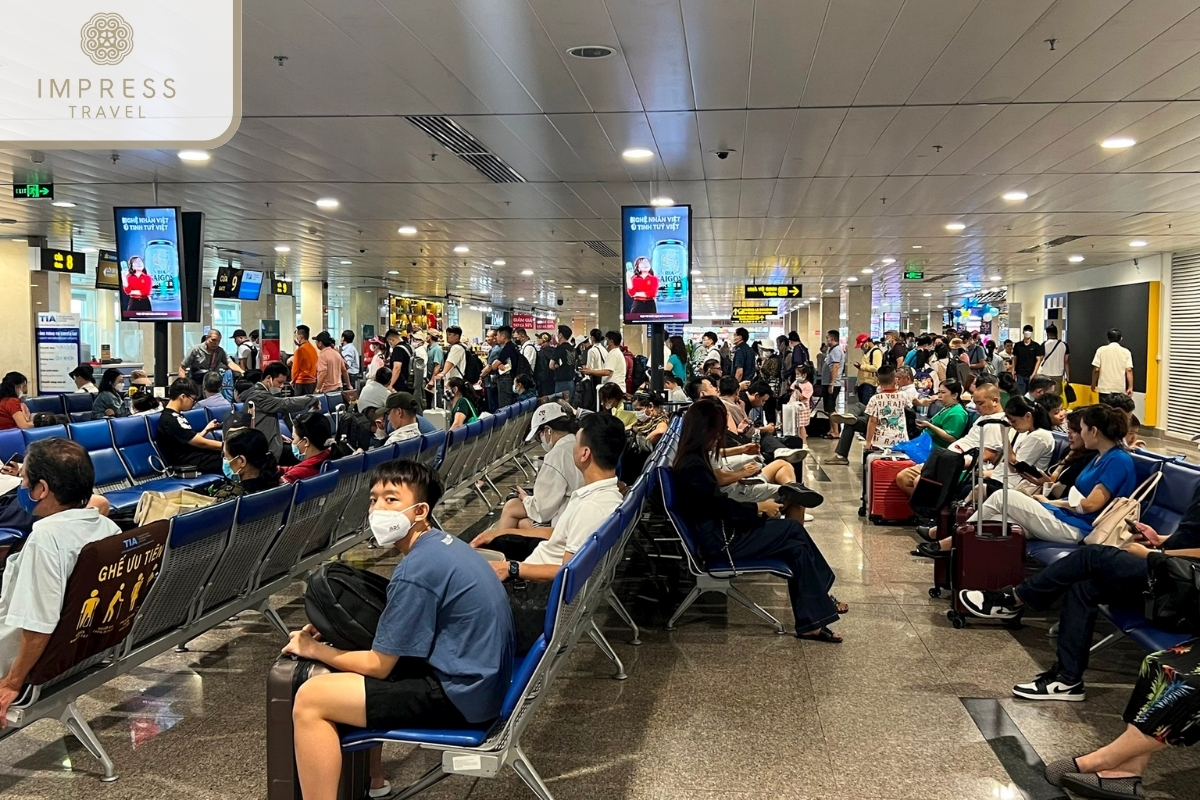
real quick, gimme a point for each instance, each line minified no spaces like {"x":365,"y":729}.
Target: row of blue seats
{"x":78,"y":405}
{"x":226,"y":558}
{"x":578,"y":590}
{"x":1163,"y":511}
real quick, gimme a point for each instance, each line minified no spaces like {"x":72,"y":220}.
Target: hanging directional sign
{"x":30,"y":191}
{"x":756,"y":291}
{"x":753,"y":313}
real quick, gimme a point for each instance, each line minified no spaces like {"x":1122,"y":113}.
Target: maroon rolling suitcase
{"x":987,"y":555}
{"x":284,"y":679}
{"x":949,"y":518}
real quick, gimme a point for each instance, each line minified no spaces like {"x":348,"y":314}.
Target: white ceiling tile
{"x":919,"y":35}
{"x":722,"y":131}
{"x":850,"y":41}
{"x":653,"y":42}
{"x":855,"y":139}
{"x":901,"y":137}
{"x":790,"y":27}
{"x":1155,"y":59}
{"x":767,"y":135}
{"x":812,"y":134}
{"x":999,"y":131}
{"x":718,"y":45}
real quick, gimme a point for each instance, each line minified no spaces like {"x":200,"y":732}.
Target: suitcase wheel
{"x":935,"y":592}
{"x":875,"y":519}
{"x":956,"y":619}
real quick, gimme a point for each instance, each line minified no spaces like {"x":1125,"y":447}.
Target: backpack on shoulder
{"x":344,"y":604}
{"x":641,"y":373}
{"x":472,"y":365}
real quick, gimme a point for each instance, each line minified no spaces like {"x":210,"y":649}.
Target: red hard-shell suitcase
{"x":885,"y":501}
{"x":285,"y":677}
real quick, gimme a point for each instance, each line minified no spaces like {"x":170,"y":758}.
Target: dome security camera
{"x":559,"y":301}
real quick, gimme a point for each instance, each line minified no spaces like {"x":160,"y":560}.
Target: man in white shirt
{"x":674,"y":388}
{"x":349,"y":355}
{"x":598,"y":446}
{"x":613,"y":370}
{"x":85,"y":379}
{"x":526,"y":346}
{"x":56,"y":485}
{"x":987,"y":404}
{"x":1056,"y":364}
{"x":1112,"y":367}
{"x":456,"y":357}
{"x":402,"y":410}
{"x":711,"y":351}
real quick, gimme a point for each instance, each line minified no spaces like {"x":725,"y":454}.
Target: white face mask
{"x":544,"y":439}
{"x":642,"y":416}
{"x":390,"y":527}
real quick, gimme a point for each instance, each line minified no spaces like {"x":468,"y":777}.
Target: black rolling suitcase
{"x":284,"y":679}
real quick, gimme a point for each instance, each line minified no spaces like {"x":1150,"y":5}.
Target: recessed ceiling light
{"x":916,"y":311}
{"x":407,"y":230}
{"x":591,"y":51}
{"x":662,"y":201}
{"x":282,"y":248}
{"x":341,"y":286}
{"x":568,"y":286}
{"x":393,"y":272}
{"x":1118,"y":143}
{"x":461,"y":248}
{"x":995,"y":278}
{"x":1015,"y":196}
{"x":328,"y":202}
{"x":1138,"y":243}
{"x":593,"y":294}
{"x":499,"y":262}
{"x":829,"y":291}
{"x":812,"y":298}
{"x":62,"y":204}
{"x":637,"y":154}
{"x":194,"y":156}
{"x":20,"y":239}
{"x":852,"y":279}
{"x":581,"y":291}
{"x":917,"y":246}
{"x":955,"y":226}
{"x":520,"y":299}
{"x":88,"y":250}
{"x":889,"y":260}
{"x":549,"y":280}
{"x":593,"y":313}
{"x":927,"y":294}
{"x":460,"y":287}
{"x":940,"y":305}
{"x":1075,"y":259}
{"x":526,"y":272}
{"x":868,"y":271}
{"x":345,"y":261}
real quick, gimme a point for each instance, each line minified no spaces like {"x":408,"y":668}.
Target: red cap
{"x":862,"y":337}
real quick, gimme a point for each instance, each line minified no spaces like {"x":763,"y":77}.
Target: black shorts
{"x":829,"y":398}
{"x":410,"y":697}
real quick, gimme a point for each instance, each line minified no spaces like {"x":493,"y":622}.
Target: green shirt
{"x":463,"y":406}
{"x":951,"y":419}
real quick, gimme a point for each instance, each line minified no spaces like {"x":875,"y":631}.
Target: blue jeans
{"x":1091,"y":576}
{"x":564,"y":387}
{"x":1023,"y":383}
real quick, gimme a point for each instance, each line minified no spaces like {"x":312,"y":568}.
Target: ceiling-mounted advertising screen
{"x":148,"y":250}
{"x":251,"y":285}
{"x":656,"y":248}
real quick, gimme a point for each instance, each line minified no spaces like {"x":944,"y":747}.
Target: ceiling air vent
{"x":455,"y":139}
{"x":1052,"y":243}
{"x":602,"y":249}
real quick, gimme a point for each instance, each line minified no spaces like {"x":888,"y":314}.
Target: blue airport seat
{"x":1046,"y":553}
{"x":96,"y":437}
{"x":259,"y":519}
{"x":47,"y":404}
{"x":431,"y":448}
{"x":131,"y":437}
{"x":32,"y":435}
{"x":197,"y":418}
{"x":324,"y":403}
{"x":1061,"y":446}
{"x":12,"y":443}
{"x":408,"y":450}
{"x":219,"y":414}
{"x":1134,"y":625}
{"x":1172,"y":497}
{"x":77,"y":402}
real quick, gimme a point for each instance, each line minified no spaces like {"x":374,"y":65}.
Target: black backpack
{"x":344,"y":604}
{"x":353,"y":433}
{"x":938,"y":484}
{"x":472,"y":365}
{"x":633,"y":458}
{"x":641,"y":375}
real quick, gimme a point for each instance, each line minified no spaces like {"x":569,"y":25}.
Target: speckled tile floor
{"x":719,"y":708}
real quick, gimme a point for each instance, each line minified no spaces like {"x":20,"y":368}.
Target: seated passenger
{"x":212,"y":392}
{"x":541,"y":552}
{"x":742,"y":428}
{"x":985,"y":439}
{"x":554,"y":427}
{"x":110,"y":399}
{"x":652,"y":421}
{"x":249,"y":462}
{"x":311,"y":442}
{"x":13,"y":412}
{"x":177,"y":441}
{"x":701,"y":386}
{"x":525,"y":388}
{"x":1029,"y":442}
{"x":1154,"y":720}
{"x":673,"y":386}
{"x":464,"y":403}
{"x":56,"y":485}
{"x":143,"y":404}
{"x":403,"y":410}
{"x":727,"y":529}
{"x":375,"y":391}
{"x":1038,"y":387}
{"x":1132,"y":442}
{"x":443,"y":651}
{"x":1069,"y":520}
{"x":85,"y":379}
{"x":45,"y":419}
{"x":611,"y":398}
{"x":1087,"y":578}
{"x":1057,"y":410}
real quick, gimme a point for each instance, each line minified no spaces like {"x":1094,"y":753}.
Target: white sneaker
{"x":1047,"y":686}
{"x":382,"y":791}
{"x":794,"y":455}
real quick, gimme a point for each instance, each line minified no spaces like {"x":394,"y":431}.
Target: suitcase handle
{"x":1004,"y":457}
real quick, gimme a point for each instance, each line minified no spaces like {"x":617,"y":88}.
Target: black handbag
{"x":528,"y":601}
{"x":1173,"y":592}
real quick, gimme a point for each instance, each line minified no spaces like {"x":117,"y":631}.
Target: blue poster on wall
{"x":656,"y":248}
{"x":56,"y":337}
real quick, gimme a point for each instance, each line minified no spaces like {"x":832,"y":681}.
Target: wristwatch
{"x":514,"y":570}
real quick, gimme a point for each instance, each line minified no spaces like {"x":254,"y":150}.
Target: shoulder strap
{"x":1057,"y":342}
{"x":1142,"y":492}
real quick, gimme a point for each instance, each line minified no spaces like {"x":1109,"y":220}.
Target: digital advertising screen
{"x":656,"y":248}
{"x":148,"y":242}
{"x":251,"y":285}
{"x":108,"y":270}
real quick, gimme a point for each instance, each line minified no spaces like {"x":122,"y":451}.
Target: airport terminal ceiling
{"x":822,"y":143}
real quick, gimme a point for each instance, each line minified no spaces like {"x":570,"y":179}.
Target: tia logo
{"x":106,"y":39}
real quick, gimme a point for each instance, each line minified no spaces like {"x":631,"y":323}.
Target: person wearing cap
{"x":554,"y":427}
{"x":872,"y":359}
{"x":540,"y":553}
{"x":85,"y":379}
{"x":402,"y":412}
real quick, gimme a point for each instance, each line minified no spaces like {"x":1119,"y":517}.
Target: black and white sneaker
{"x":1047,"y":686}
{"x":989,"y":605}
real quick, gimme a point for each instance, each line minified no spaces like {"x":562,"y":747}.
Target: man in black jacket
{"x":268,"y":405}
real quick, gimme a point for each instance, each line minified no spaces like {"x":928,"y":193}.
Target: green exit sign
{"x":914,"y":275}
{"x":32,"y":191}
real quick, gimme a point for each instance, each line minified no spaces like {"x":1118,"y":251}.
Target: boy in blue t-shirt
{"x":443,"y":651}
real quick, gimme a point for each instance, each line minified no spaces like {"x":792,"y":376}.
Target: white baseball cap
{"x":547,"y":412}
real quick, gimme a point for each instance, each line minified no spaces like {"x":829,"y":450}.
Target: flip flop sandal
{"x":842,"y":608}
{"x":1089,"y":784}
{"x":823,"y":635}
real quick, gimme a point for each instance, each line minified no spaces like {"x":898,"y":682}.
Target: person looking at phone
{"x":554,"y":428}
{"x":179,"y":443}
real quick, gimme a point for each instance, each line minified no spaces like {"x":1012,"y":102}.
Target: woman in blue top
{"x":110,"y":401}
{"x":1110,"y":475}
{"x":679,"y":357}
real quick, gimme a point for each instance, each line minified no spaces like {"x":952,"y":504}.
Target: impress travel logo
{"x":134,"y":74}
